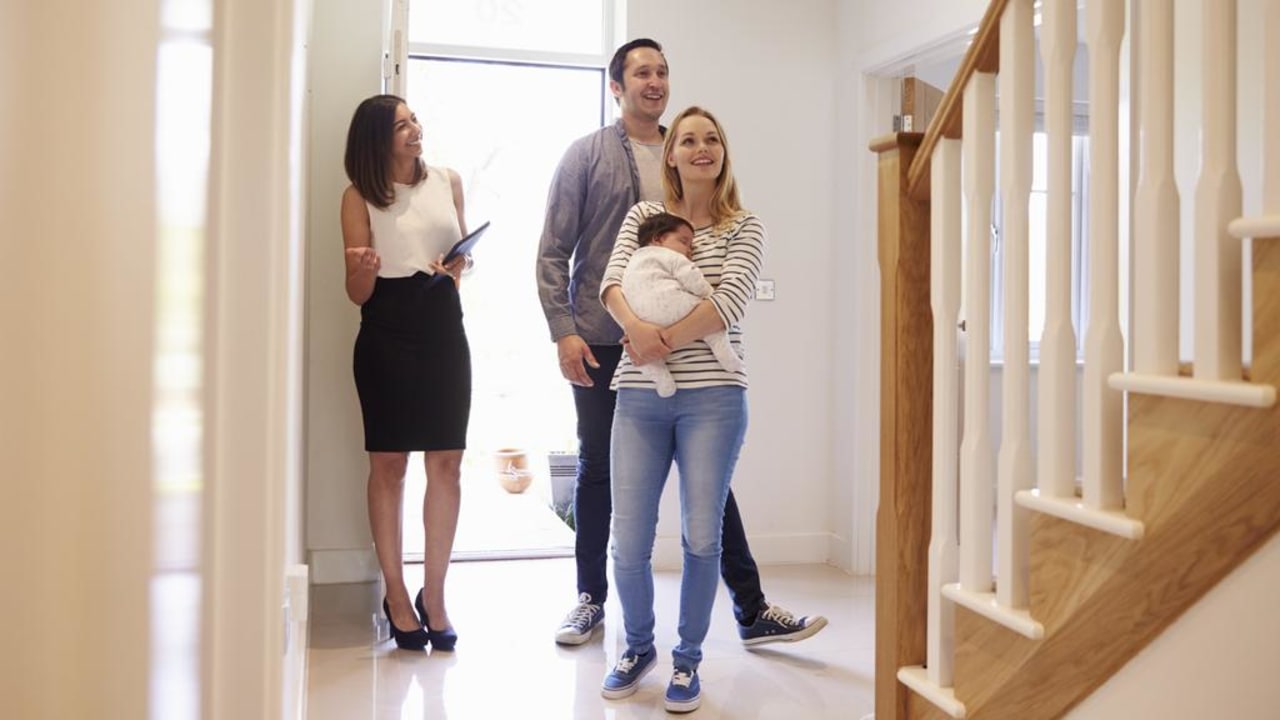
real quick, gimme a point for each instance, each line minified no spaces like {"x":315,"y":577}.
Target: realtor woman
{"x":412,"y":361}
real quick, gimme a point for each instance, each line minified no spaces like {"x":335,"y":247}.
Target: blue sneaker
{"x":581,"y":622}
{"x":777,"y":624}
{"x":684,"y":692}
{"x":625,"y":677}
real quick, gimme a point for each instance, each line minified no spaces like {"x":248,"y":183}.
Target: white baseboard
{"x":330,"y":567}
{"x":355,"y":566}
{"x":792,"y":549}
{"x":840,"y":553}
{"x":296,"y":615}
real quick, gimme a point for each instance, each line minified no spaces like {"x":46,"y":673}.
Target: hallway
{"x":507,"y":665}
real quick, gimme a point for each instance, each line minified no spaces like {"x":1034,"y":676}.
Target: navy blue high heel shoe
{"x":442,"y":640}
{"x":415,"y":639}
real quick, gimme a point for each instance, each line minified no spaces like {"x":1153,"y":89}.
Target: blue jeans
{"x":592,"y":505}
{"x":702,"y":431}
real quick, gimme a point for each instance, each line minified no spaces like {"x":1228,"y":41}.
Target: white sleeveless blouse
{"x":420,"y":225}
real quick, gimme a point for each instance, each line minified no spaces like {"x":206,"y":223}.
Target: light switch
{"x":764,"y":289}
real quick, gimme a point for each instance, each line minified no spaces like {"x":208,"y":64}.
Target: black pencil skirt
{"x":413,"y":366}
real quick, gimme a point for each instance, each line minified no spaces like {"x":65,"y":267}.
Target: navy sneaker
{"x":625,"y":677}
{"x":777,"y":624}
{"x":581,"y":622}
{"x":684,"y":692}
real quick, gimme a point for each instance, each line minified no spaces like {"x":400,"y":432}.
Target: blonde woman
{"x":701,"y":427}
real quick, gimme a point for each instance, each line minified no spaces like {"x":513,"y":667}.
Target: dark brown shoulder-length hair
{"x":725,"y":205}
{"x":368,"y":156}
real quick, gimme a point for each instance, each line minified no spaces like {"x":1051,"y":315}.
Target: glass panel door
{"x":503,"y":127}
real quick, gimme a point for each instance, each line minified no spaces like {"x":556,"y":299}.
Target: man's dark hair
{"x":619,"y":61}
{"x":655,"y":226}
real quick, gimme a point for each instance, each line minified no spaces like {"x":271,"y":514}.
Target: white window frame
{"x":399,"y":48}
{"x":1079,"y":249}
{"x":398,"y":53}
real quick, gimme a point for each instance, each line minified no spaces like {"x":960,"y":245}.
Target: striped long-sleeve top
{"x":730,"y":256}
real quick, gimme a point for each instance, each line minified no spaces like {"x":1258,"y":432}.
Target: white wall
{"x":767,"y":71}
{"x":345,"y":68}
{"x":865,"y":109}
{"x":84,"y":622}
{"x":1216,"y":661}
{"x":778,"y":108}
{"x":254,"y":257}
{"x":791,"y":85}
{"x":873,"y":36}
{"x":77,"y":308}
{"x":295,"y":509}
{"x":878,"y":33}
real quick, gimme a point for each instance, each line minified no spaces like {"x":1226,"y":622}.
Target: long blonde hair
{"x":725,"y":205}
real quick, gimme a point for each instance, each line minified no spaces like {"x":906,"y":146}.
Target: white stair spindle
{"x":1014,"y":467}
{"x":1056,"y":467}
{"x":977,"y":494}
{"x":944,"y":290}
{"x":1218,"y":200}
{"x":1155,"y":206}
{"x":1104,"y":346}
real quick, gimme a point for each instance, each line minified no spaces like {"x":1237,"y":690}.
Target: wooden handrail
{"x":983,"y":56}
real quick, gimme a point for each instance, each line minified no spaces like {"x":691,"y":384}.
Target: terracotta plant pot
{"x":512,"y":468}
{"x":516,"y":481}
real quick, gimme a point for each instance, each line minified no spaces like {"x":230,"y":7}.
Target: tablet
{"x":462,"y":247}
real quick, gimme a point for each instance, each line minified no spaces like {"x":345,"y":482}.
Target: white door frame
{"x":252,"y":417}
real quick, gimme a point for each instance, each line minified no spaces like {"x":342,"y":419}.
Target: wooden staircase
{"x":1201,"y":478}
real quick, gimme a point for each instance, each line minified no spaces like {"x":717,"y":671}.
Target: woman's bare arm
{"x":362,"y":261}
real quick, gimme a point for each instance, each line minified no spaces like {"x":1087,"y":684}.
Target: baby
{"x":662,"y":285}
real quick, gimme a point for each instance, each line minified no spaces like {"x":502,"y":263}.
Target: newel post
{"x":906,"y":412}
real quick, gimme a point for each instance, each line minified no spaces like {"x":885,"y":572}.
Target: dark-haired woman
{"x":412,"y":362}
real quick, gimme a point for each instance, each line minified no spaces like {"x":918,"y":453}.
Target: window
{"x":1037,"y":238}
{"x":548,"y":26}
{"x":502,"y":88}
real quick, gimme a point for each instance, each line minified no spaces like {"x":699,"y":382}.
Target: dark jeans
{"x":593,"y":506}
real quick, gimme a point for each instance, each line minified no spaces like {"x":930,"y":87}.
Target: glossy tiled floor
{"x":507,"y":665}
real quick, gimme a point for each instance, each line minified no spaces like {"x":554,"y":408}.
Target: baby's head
{"x":666,"y":230}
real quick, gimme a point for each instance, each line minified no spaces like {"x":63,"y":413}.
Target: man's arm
{"x":561,"y":233}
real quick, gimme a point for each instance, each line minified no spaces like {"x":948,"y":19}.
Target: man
{"x":599,"y":178}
